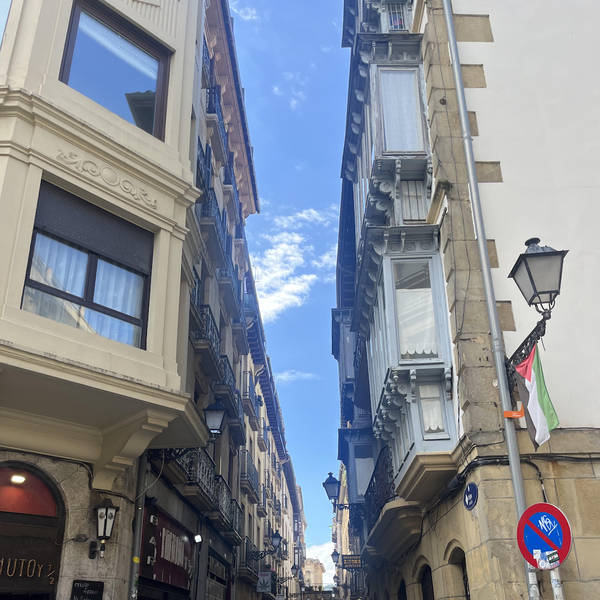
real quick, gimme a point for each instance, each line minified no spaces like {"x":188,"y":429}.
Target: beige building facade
{"x":418,"y":385}
{"x":128,"y":307}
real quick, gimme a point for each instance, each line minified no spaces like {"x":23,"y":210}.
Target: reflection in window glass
{"x":4,"y":10}
{"x":414,"y":310}
{"x":400,"y":101}
{"x":58,"y":265}
{"x":114,"y":72}
{"x":431,"y":407}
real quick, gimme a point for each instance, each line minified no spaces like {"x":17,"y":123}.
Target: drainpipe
{"x":138,"y":521}
{"x":514,"y":458}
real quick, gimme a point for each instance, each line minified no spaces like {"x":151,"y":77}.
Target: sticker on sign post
{"x":544,"y":536}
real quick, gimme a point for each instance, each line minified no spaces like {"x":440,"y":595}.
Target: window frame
{"x":441,"y":435}
{"x":86,"y":300}
{"x":134,"y":35}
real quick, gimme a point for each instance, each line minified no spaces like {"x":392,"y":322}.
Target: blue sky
{"x":295,"y":77}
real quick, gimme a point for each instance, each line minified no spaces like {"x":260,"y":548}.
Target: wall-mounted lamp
{"x":198,"y":538}
{"x":106,"y":513}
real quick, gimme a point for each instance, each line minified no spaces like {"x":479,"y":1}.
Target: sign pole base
{"x":557,"y":588}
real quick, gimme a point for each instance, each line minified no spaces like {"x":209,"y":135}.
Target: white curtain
{"x":431,"y":405}
{"x":401,"y":121}
{"x":119,"y":289}
{"x":58,"y":265}
{"x":416,"y":322}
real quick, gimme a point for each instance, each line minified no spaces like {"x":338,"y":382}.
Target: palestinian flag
{"x":540,"y":415}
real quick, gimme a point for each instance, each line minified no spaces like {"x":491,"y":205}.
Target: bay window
{"x":402,"y":125}
{"x":110,"y":61}
{"x":88,"y":269}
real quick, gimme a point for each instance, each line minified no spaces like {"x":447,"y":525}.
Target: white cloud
{"x":308,"y":216}
{"x":293,"y":375}
{"x":327,"y":260}
{"x":246,"y":13}
{"x":279,"y":284}
{"x":277,"y":90}
{"x":323,"y":552}
{"x":326,"y":49}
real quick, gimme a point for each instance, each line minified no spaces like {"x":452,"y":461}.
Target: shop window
{"x":88,"y":269}
{"x":110,"y":61}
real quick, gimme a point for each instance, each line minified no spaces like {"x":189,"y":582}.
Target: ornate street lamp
{"x":538,"y":275}
{"x":332,"y":488}
{"x":294,"y":570}
{"x":335,"y":556}
{"x":214,"y":415}
{"x":275,"y":543}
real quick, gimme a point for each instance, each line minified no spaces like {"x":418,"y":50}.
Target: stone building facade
{"x":128,"y":307}
{"x":420,"y":410}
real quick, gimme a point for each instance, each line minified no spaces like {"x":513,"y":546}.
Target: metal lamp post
{"x":275,"y":543}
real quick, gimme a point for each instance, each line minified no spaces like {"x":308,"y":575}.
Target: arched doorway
{"x":32,"y":520}
{"x":427,"y":584}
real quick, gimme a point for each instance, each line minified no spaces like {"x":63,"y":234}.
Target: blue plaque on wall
{"x":470,"y":496}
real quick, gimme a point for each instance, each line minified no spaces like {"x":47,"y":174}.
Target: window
{"x":397,"y":21}
{"x":88,"y":269}
{"x":401,"y":110}
{"x":432,"y":411}
{"x":414,"y":310}
{"x":427,"y":584}
{"x":114,"y":64}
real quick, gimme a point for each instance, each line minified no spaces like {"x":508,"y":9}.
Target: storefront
{"x":32,"y":520}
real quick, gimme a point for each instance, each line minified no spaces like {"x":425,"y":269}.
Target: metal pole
{"x":495,"y":330}
{"x":557,"y":588}
{"x":138,"y":521}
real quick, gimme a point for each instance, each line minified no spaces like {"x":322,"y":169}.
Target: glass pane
{"x":58,"y":265}
{"x":114,"y":72}
{"x":70,"y":313}
{"x":431,"y":406}
{"x":396,"y":17}
{"x":414,"y":310}
{"x":401,"y":122}
{"x":112,"y":328}
{"x":119,"y":289}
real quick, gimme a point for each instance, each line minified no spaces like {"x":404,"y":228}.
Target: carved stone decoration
{"x":108,"y":175}
{"x":448,"y":383}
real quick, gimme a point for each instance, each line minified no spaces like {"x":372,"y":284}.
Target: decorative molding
{"x":108,"y":175}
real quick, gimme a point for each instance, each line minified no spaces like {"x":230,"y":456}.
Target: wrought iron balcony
{"x":248,"y":565}
{"x":203,"y":167}
{"x":251,"y":305}
{"x":204,"y":333}
{"x":381,"y":487}
{"x":201,"y":486}
{"x":237,"y":425}
{"x":215,"y":114}
{"x":227,"y":375}
{"x":277,"y":508}
{"x":261,"y":507}
{"x":250,"y":400}
{"x":220,"y":514}
{"x":228,"y":280}
{"x":240,"y":330}
{"x":207,"y":65}
{"x":212,"y":226}
{"x":263,"y":439}
{"x":249,"y":477}
{"x":237,"y":523}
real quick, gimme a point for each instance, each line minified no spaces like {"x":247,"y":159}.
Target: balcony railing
{"x":249,"y":476}
{"x":247,"y":556}
{"x":230,"y":179}
{"x":223,"y":498}
{"x":214,"y":107}
{"x":381,"y":487}
{"x":236,"y":518}
{"x":250,"y":398}
{"x":261,"y":507}
{"x":209,"y":210}
{"x":200,"y":471}
{"x":228,"y":275}
{"x":227,"y":375}
{"x":203,"y":167}
{"x":204,"y":329}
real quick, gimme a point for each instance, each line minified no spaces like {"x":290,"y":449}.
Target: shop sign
{"x":167,"y":551}
{"x":351,"y":561}
{"x":87,"y":590}
{"x":266,"y":582}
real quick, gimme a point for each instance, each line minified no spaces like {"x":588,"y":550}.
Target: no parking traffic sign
{"x":544,"y":536}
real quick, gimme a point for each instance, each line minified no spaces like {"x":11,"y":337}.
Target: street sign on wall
{"x":351,"y":561}
{"x":544,"y":536}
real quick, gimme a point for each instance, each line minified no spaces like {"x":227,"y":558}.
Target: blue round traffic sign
{"x":544,"y":536}
{"x":470,"y":496}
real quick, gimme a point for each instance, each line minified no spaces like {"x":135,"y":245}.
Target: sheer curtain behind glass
{"x":400,"y":102}
{"x":431,"y":406}
{"x":414,"y":310}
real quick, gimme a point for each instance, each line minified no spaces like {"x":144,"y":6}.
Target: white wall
{"x":539,"y":116}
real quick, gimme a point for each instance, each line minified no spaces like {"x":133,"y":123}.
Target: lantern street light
{"x":275,"y":543}
{"x":335,"y":556}
{"x":214,"y":415}
{"x":294,"y":571}
{"x":105,"y":521}
{"x":332,"y":489}
{"x":538,"y":275}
